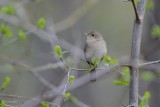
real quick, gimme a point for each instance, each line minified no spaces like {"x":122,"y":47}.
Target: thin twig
{"x":84,"y":80}
{"x":138,"y":20}
{"x":149,"y":63}
{"x":24,"y":98}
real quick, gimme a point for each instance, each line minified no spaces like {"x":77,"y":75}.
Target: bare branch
{"x":138,"y":20}
{"x":24,"y":99}
{"x":135,"y":51}
{"x":149,"y":63}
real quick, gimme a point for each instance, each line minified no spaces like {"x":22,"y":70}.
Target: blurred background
{"x":29,"y":30}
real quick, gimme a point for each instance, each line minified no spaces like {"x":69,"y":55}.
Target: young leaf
{"x":58,"y":50}
{"x":41,"y":23}
{"x":71,"y":79}
{"x":95,"y":61}
{"x":5,"y":29}
{"x":124,"y":79}
{"x":147,"y":76}
{"x":107,"y":59}
{"x":121,"y":82}
{"x":136,"y":1}
{"x":22,"y":35}
{"x":145,"y":99}
{"x":73,"y":100}
{"x":44,"y":104}
{"x":155,"y":31}
{"x":5,"y":83}
{"x":10,"y":9}
{"x":2,"y":103}
{"x":66,"y":96}
{"x":150,"y":5}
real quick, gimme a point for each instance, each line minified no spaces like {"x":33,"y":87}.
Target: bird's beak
{"x":85,"y":34}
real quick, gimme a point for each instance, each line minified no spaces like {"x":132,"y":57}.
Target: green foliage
{"x":124,"y":79}
{"x":5,"y":30}
{"x":71,"y":79}
{"x":44,"y":104}
{"x":147,"y":76}
{"x":66,"y":96}
{"x":2,"y":103}
{"x":21,"y":34}
{"x":136,"y":1}
{"x":145,"y":99}
{"x":155,"y":31}
{"x":41,"y":23}
{"x":150,"y":5}
{"x":58,"y":51}
{"x":108,"y":60}
{"x":5,"y":83}
{"x":9,"y":9}
{"x":72,"y":100}
{"x":95,"y":61}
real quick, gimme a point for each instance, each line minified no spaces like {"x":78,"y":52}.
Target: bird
{"x":95,"y":46}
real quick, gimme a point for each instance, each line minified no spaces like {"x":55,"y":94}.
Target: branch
{"x":22,"y":98}
{"x":135,"y":51}
{"x":138,"y":20}
{"x":149,"y":63}
{"x":84,"y":80}
{"x":35,"y":71}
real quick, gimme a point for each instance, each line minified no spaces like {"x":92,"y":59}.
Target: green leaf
{"x":58,"y":50}
{"x":5,"y":83}
{"x":155,"y":31}
{"x":120,"y":82}
{"x":150,"y":5}
{"x":147,"y":76}
{"x":22,"y":35}
{"x":107,"y":59}
{"x":10,"y":9}
{"x":136,"y":1}
{"x":2,"y":103}
{"x":124,"y":78}
{"x":145,"y":99}
{"x":66,"y":96}
{"x":73,"y":100}
{"x":71,"y":79}
{"x":41,"y":23}
{"x":44,"y":104}
{"x":5,"y":29}
{"x":95,"y":61}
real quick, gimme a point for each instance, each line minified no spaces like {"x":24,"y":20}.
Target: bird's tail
{"x":93,"y":76}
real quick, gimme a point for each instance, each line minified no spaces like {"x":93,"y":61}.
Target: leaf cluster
{"x":9,"y":9}
{"x":5,"y":83}
{"x":145,"y":99}
{"x":44,"y":104}
{"x":124,"y":79}
{"x":5,"y":30}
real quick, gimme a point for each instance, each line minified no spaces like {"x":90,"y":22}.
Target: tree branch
{"x":135,"y":51}
{"x":149,"y":63}
{"x":138,"y":20}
